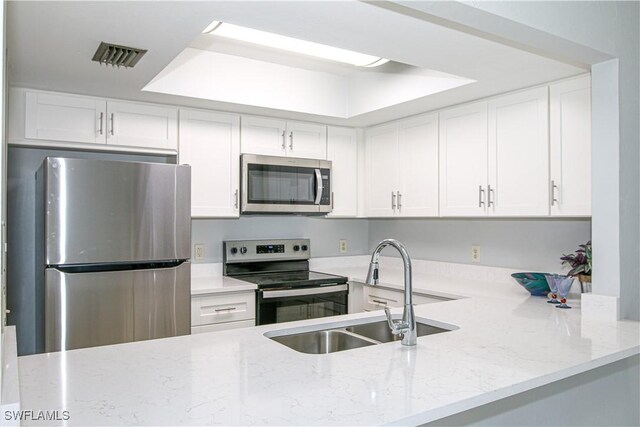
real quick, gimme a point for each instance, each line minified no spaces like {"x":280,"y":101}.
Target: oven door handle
{"x":305,"y":291}
{"x":319,"y":186}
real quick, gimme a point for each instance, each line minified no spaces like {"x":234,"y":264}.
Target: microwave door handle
{"x":319,"y":186}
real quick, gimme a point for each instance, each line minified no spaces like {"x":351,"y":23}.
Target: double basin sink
{"x":332,"y":339}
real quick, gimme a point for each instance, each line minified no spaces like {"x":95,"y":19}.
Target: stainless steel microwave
{"x":273,"y":184}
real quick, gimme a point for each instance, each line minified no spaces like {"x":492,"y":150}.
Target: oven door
{"x":287,"y":305}
{"x":272,"y":184}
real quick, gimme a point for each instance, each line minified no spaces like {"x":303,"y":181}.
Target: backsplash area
{"x":512,"y":243}
{"x":525,"y":244}
{"x":325,"y":233}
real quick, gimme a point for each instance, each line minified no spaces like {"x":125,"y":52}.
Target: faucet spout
{"x":407,"y":326}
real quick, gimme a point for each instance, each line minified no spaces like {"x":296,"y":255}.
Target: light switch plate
{"x":343,"y":246}
{"x":199,"y":251}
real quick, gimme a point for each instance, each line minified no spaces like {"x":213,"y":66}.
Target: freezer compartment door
{"x":111,"y":307}
{"x":162,"y":303}
{"x":99,"y":211}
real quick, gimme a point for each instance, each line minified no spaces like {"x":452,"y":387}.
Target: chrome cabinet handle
{"x":235,"y":194}
{"x":112,"y":114}
{"x":489,"y":201}
{"x":225,"y":309}
{"x":480,"y":196}
{"x":379,"y":302}
{"x":393,"y":200}
{"x":553,"y":192}
{"x":399,"y":199}
{"x":291,"y":140}
{"x":101,"y":123}
{"x":283,"y":140}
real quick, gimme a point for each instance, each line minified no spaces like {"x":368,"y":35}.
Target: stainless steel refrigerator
{"x":114,"y":240}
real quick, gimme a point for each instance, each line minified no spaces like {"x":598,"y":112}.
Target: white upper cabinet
{"x":264,"y":136}
{"x":80,"y":119}
{"x":210,"y":143}
{"x":342,"y":150}
{"x":418,"y":166}
{"x":142,"y":125}
{"x":381,"y":171}
{"x":463,"y":160}
{"x":570,"y":113}
{"x":519,"y":154}
{"x":402,"y":168}
{"x":306,"y":140}
{"x":273,"y":137}
{"x":57,"y":117}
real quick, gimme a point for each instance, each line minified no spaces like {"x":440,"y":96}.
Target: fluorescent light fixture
{"x":291,"y":44}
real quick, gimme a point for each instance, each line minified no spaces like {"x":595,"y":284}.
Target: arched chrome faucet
{"x":406,"y":326}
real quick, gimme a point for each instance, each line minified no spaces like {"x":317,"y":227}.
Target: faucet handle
{"x":397,"y":327}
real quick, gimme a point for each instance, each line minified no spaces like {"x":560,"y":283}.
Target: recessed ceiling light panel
{"x":263,"y":38}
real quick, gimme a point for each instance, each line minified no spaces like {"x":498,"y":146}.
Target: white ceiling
{"x":50,"y":45}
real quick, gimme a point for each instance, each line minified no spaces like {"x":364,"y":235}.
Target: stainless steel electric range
{"x":287,"y":290}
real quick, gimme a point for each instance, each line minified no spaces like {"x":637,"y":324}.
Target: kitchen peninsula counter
{"x":506,"y":342}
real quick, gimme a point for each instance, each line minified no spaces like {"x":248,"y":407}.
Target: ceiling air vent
{"x":118,"y":56}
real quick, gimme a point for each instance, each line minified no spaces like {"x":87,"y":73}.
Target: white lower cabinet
{"x":223,"y":311}
{"x":377,"y":298}
{"x":210,"y":144}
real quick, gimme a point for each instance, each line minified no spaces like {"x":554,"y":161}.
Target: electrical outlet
{"x":343,"y":246}
{"x":199,"y":250}
{"x":475,"y":253}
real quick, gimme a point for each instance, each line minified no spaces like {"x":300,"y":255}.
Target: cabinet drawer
{"x":376,"y":298}
{"x":206,"y":310}
{"x":222,"y":326}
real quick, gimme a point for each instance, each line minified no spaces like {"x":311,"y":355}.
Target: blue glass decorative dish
{"x":535,"y":283}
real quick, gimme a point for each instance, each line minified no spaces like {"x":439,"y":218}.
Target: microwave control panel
{"x":325,"y":199}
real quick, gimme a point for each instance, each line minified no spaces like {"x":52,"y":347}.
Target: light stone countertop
{"x":506,"y":342}
{"x":207,"y":279}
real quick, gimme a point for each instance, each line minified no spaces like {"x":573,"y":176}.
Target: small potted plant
{"x":580,"y":263}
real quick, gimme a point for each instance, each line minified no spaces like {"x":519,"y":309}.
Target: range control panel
{"x":236,"y":251}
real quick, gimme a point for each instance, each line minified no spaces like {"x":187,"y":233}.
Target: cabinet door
{"x":263,"y":136}
{"x":571,"y":147}
{"x":141,"y":125}
{"x":210,"y":143}
{"x":418,"y":166}
{"x":382,"y":170}
{"x":65,"y":118}
{"x":342,"y":150}
{"x":519,"y":154}
{"x":306,"y":140}
{"x":463,"y":160}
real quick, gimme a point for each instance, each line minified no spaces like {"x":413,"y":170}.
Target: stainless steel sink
{"x":340,"y":337}
{"x":323,"y":342}
{"x":379,"y":331}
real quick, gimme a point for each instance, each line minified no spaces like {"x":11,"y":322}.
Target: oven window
{"x":270,"y":184}
{"x":289,"y":309}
